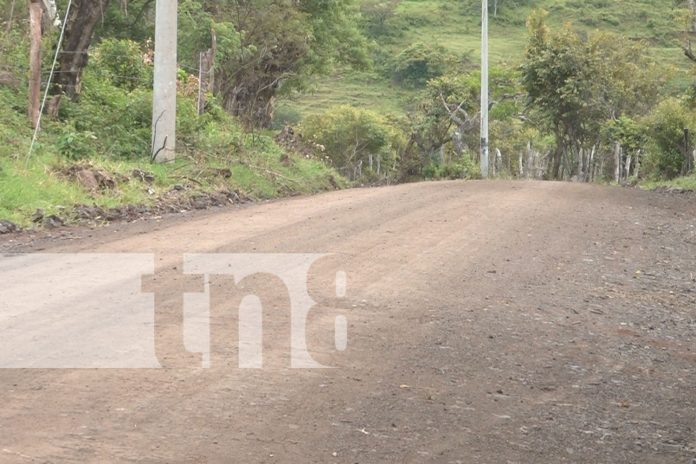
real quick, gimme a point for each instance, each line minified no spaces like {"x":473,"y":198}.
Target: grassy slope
{"x":260,"y":169}
{"x":456,"y":25}
{"x":24,"y":189}
{"x":680,"y":183}
{"x":41,"y":185}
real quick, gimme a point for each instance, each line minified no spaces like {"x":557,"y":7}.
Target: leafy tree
{"x":280,"y":43}
{"x":445,"y":127}
{"x":448,"y":109}
{"x":263,"y":47}
{"x":577,"y":83}
{"x":85,"y":16}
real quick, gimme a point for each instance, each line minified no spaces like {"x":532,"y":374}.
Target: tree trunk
{"x":457,"y":141}
{"x":35,"y":18}
{"x":556,"y":163}
{"x":50,"y":12}
{"x":84,"y":17}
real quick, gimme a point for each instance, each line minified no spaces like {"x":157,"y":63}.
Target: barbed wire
{"x":18,"y":69}
{"x":118,"y":55}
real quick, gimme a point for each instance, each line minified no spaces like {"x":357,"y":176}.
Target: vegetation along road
{"x":488,"y":322}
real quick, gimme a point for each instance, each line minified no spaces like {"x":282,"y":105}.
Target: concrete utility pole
{"x":164,"y":96}
{"x":484,"y":89}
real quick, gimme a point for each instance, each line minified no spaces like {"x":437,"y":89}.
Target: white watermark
{"x":126,"y":310}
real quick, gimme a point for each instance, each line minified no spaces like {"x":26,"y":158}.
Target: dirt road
{"x":488,"y":322}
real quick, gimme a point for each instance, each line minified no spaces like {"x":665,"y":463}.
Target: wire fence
{"x":24,"y":69}
{"x":21,"y":71}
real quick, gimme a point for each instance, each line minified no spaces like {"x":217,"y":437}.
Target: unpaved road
{"x":500,"y":322}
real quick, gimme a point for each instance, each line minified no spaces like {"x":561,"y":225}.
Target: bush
{"x":76,"y":145}
{"x":286,"y":116}
{"x":119,"y":119}
{"x":419,"y":63}
{"x":352,"y":137}
{"x":462,"y":168}
{"x":122,"y":62}
{"x":665,"y":128}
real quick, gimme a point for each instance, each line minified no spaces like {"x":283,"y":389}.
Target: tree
{"x":280,"y":43}
{"x":445,"y":126}
{"x":376,"y":14}
{"x":79,"y":32}
{"x":448,"y":112}
{"x":578,"y":83}
{"x":665,"y":128}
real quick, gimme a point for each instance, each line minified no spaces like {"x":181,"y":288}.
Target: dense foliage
{"x":361,"y":143}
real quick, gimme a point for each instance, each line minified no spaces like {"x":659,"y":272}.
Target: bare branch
{"x":688,"y":52}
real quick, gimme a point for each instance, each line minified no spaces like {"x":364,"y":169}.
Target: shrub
{"x":286,"y":116}
{"x":122,"y":62}
{"x":119,"y":119}
{"x":352,"y":137}
{"x":666,"y":127}
{"x":419,"y":63}
{"x":444,"y":171}
{"x":74,"y":144}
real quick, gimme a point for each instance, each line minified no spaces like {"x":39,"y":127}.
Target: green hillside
{"x":456,"y":26}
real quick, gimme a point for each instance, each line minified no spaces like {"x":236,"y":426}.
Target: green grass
{"x":260,"y":169}
{"x":366,"y":90}
{"x":684,"y":183}
{"x":24,"y":190}
{"x":456,"y":26}
{"x":261,"y":175}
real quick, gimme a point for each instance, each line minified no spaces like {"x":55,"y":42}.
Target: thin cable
{"x":48,"y":86}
